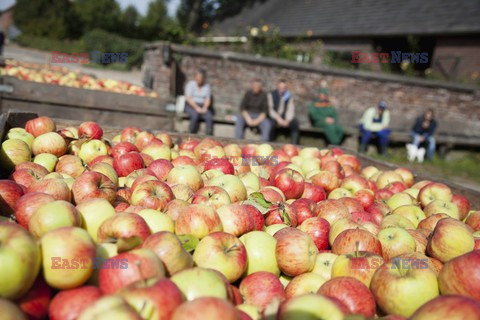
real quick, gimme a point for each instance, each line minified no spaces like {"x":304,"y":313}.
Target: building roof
{"x":334,"y":18}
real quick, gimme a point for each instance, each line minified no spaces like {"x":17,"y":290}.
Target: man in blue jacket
{"x":423,"y":130}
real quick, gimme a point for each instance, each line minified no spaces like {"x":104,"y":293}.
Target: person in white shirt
{"x":281,"y":110}
{"x":198,"y":102}
{"x":375,"y":121}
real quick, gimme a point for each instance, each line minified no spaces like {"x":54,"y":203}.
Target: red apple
{"x":454,"y":307}
{"x":351,"y":240}
{"x":129,"y":134}
{"x":262,"y":289}
{"x":290,"y":150}
{"x":198,"y":220}
{"x":318,"y":228}
{"x":290,"y":182}
{"x":295,"y":251}
{"x":102,"y":158}
{"x":25,"y":177}
{"x":304,"y":209}
{"x":351,"y":160}
{"x":352,"y":204}
{"x":39,"y":126}
{"x":50,"y":142}
{"x":257,"y":216}
{"x":35,"y":167}
{"x":26,"y":206}
{"x":396,"y":187}
{"x":463,"y":205}
{"x":127,"y":163}
{"x":71,"y":165}
{"x":365,"y":197}
{"x":473,"y":220}
{"x":142,"y":264}
{"x":220,"y":164}
{"x":271,"y":195}
{"x":206,"y":308}
{"x":57,"y":188}
{"x":160,"y":168}
{"x":382,"y":195}
{"x":129,"y":230}
{"x":281,"y":213}
{"x":143,"y":139}
{"x":334,"y":168}
{"x":313,"y":192}
{"x":90,"y":130}
{"x":175,"y":207}
{"x":152,"y":194}
{"x":35,"y":302}
{"x":92,"y":184}
{"x":123,"y":148}
{"x":327,"y":180}
{"x":332,"y":210}
{"x":353,"y":293}
{"x":69,"y":304}
{"x":430,"y":222}
{"x":235,"y":219}
{"x":10,"y":192}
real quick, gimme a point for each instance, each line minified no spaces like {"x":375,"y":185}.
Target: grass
{"x":461,"y":168}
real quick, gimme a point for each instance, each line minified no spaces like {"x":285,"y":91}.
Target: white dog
{"x":413,"y":152}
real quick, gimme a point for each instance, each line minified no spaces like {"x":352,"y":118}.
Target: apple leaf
{"x":189,"y":242}
{"x":260,"y":199}
{"x":286,"y":218}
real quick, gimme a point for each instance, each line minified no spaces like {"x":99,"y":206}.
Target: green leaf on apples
{"x":127,"y":244}
{"x":286,"y":218}
{"x":189,"y":242}
{"x":260,"y":199}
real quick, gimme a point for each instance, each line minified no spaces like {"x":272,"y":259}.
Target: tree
{"x":98,"y":14}
{"x":45,"y":18}
{"x":152,"y":24}
{"x":130,"y":20}
{"x":197,"y":15}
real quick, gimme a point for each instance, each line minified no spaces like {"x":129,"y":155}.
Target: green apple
{"x":106,"y":169}
{"x":341,"y":225}
{"x":158,"y":151}
{"x":260,"y":247}
{"x":305,"y":283}
{"x":396,"y":241}
{"x":339,"y":193}
{"x":187,"y":175}
{"x":10,"y":311}
{"x":67,"y":257}
{"x":250,"y":181}
{"x":294,"y":167}
{"x":13,"y":152}
{"x":272,"y":229}
{"x":396,"y":220}
{"x":413,"y":192}
{"x":47,"y":160}
{"x":53,"y":215}
{"x":400,"y":199}
{"x":210,"y":174}
{"x":309,"y":165}
{"x":232,"y":184}
{"x":324,"y":264}
{"x":310,"y":307}
{"x":157,"y":221}
{"x":441,"y":206}
{"x":92,"y":149}
{"x":450,"y":238}
{"x":223,"y":252}
{"x":21,"y":134}
{"x":253,"y":311}
{"x":199,"y":282}
{"x":360,"y":265}
{"x":102,"y":251}
{"x":109,"y":307}
{"x":20,"y":260}
{"x":285,"y":280}
{"x":411,"y":212}
{"x":401,"y":289}
{"x":93,"y":213}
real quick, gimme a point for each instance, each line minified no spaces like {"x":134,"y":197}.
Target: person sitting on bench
{"x":281,"y":110}
{"x":254,"y":112}
{"x":198,"y":103}
{"x":423,"y":130}
{"x":323,"y":115}
{"x":375,"y":120}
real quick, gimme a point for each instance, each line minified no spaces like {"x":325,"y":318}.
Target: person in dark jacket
{"x":423,"y":131}
{"x":281,"y":110}
{"x":254,"y":112}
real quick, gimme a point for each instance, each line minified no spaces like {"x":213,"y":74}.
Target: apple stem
{"x":357,"y":246}
{"x":232,"y":248}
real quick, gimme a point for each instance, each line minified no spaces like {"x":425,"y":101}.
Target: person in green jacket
{"x":323,"y":115}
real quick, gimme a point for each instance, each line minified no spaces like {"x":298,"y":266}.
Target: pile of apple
{"x":66,"y":77}
{"x":142,"y":228}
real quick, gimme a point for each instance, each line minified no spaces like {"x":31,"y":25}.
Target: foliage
{"x":100,"y":40}
{"x":98,"y":14}
{"x":48,"y":44}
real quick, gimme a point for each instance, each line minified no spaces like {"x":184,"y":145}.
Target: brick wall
{"x":457,"y":107}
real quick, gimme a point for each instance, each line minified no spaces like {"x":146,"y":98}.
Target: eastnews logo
{"x":397,"y":263}
{"x":93,"y":57}
{"x":83,"y":263}
{"x":384,"y":57}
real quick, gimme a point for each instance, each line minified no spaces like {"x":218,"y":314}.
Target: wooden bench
{"x":446,"y":140}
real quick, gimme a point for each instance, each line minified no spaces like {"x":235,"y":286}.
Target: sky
{"x":142,"y":5}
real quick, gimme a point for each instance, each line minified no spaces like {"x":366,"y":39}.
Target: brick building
{"x":448,"y":31}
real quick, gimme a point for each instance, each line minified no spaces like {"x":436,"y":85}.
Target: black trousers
{"x":2,"y":42}
{"x":294,"y":128}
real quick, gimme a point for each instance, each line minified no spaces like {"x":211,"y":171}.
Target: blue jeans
{"x":429,"y":140}
{"x":195,"y":118}
{"x":265,"y":127}
{"x":382,"y":136}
